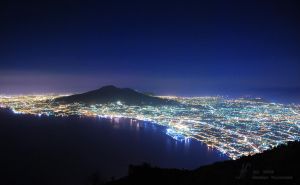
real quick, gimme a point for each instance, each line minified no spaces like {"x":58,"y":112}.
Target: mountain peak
{"x":111,"y":94}
{"x":108,"y":87}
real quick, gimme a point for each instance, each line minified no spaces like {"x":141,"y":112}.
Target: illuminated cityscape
{"x":150,"y":92}
{"x":236,"y":127}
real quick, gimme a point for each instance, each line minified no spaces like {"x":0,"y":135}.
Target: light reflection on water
{"x":175,"y":139}
{"x":82,"y":146}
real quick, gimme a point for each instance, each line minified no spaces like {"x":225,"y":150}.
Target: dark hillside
{"x":279,"y":165}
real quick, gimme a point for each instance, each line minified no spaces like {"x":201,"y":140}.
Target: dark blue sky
{"x":169,"y":47}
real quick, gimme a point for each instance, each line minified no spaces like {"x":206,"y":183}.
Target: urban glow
{"x":236,"y":127}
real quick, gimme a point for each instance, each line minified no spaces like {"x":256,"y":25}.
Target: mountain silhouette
{"x":111,"y":94}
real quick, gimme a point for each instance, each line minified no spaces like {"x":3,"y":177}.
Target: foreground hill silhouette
{"x":279,"y":165}
{"x":110,"y":94}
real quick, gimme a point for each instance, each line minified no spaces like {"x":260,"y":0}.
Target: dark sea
{"x":275,"y":95}
{"x":71,"y":150}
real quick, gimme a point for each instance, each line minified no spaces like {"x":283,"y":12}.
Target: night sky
{"x":167,"y":47}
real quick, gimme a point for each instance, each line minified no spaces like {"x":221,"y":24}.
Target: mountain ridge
{"x":278,"y":165}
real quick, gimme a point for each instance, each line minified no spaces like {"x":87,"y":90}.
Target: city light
{"x":236,"y":127}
